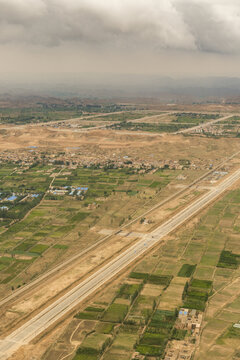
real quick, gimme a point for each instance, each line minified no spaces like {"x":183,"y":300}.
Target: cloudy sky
{"x":166,"y":37}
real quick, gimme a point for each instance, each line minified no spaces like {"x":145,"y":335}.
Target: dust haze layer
{"x":121,"y":86}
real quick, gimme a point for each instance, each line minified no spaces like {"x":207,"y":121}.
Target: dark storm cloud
{"x":215,"y":25}
{"x":208,"y":26}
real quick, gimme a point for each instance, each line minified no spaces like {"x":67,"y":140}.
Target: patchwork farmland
{"x":73,"y":206}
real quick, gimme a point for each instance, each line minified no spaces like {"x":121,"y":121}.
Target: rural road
{"x":70,"y":261}
{"x":204,"y":125}
{"x":184,"y":131}
{"x":66,"y":303}
{"x":84,"y":117}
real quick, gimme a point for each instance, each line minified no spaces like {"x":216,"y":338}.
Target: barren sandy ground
{"x":13,"y":138}
{"x":156,"y":146}
{"x":160,"y":146}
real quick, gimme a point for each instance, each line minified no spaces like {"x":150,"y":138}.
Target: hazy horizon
{"x":102,"y":85}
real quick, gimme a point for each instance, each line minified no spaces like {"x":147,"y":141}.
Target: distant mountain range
{"x":165,"y":89}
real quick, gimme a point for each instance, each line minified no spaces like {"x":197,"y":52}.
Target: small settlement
{"x":188,"y":324}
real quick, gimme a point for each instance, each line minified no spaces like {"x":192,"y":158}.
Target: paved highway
{"x":71,"y":261}
{"x":62,"y":306}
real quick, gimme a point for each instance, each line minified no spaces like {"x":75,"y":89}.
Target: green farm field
{"x":44,"y":113}
{"x":55,"y":226}
{"x":169,"y":123}
{"x":201,"y":272}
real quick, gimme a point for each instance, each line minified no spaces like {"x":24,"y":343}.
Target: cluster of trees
{"x":19,"y":210}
